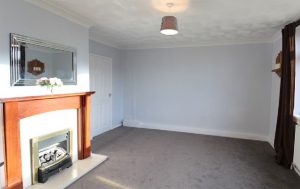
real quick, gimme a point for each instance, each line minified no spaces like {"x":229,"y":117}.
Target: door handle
{"x":109,"y":95}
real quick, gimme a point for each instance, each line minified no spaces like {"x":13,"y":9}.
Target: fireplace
{"x":19,"y":110}
{"x":50,"y":154}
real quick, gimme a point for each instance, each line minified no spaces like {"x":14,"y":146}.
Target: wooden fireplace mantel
{"x":18,"y":108}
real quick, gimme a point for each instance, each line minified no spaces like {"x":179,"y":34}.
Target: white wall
{"x":117,"y":78}
{"x":23,"y":18}
{"x":220,"y":90}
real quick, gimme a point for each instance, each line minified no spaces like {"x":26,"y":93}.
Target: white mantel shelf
{"x":70,"y":175}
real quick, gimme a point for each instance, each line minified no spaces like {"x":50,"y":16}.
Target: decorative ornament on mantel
{"x":50,"y":83}
{"x":169,"y":23}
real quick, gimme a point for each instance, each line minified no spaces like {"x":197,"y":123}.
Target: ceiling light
{"x":169,"y":25}
{"x":179,"y":5}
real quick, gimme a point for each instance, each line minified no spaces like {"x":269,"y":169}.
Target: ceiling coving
{"x":135,"y":23}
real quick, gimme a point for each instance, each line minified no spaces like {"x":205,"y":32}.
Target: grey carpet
{"x":150,"y":159}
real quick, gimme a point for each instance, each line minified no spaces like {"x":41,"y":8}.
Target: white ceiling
{"x":136,"y":23}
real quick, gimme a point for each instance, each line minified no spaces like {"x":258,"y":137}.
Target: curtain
{"x":285,"y":127}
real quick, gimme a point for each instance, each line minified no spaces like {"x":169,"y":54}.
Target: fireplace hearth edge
{"x":72,"y":174}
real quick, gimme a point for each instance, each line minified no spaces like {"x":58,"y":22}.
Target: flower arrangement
{"x":50,"y":83}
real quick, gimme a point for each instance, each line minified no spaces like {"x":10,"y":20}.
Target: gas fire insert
{"x":50,"y":154}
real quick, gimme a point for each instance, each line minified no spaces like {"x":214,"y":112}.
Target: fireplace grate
{"x":50,"y":156}
{"x":53,"y":161}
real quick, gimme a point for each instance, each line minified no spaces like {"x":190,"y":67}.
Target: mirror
{"x":32,"y":59}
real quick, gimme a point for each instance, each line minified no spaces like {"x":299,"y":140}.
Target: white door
{"x":101,"y":82}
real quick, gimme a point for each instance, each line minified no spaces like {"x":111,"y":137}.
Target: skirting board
{"x":296,"y":169}
{"x":116,"y":126}
{"x":119,"y":125}
{"x":70,"y":175}
{"x":193,"y":130}
{"x":271,"y":141}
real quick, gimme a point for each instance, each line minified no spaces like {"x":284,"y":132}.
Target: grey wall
{"x":117,"y":78}
{"x":23,"y":18}
{"x":275,"y":90}
{"x":220,"y":90}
